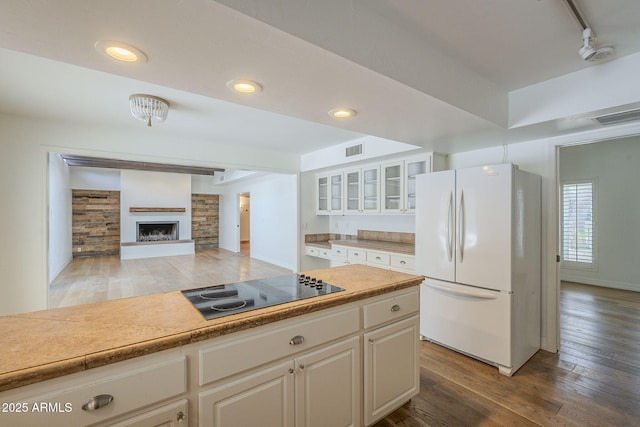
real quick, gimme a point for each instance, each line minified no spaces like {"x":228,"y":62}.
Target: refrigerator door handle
{"x":448,"y":231}
{"x":461,"y":230}
{"x":470,"y":292}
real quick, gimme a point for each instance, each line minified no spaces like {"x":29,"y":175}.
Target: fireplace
{"x":156,"y":231}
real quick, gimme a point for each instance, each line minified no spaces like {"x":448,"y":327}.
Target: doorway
{"x":245,"y":223}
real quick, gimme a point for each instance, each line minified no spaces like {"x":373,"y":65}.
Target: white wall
{"x":60,"y":236}
{"x":274,"y":218}
{"x":156,"y":190}
{"x":614,"y":165}
{"x":83,"y":178}
{"x":24,"y":146}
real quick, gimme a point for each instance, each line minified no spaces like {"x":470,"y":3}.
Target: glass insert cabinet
{"x":387,"y":188}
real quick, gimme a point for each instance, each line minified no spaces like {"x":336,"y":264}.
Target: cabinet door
{"x":392,"y":187}
{"x":172,"y":415}
{"x":335,"y":193}
{"x":391,"y":368}
{"x":322,"y":195}
{"x":264,"y":398}
{"x":412,"y":168}
{"x":371,"y":190}
{"x":353,"y":187}
{"x":328,"y":386}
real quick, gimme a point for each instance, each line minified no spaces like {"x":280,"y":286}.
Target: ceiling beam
{"x":95,"y":162}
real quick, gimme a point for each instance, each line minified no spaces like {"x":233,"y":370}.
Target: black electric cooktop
{"x":231,"y":298}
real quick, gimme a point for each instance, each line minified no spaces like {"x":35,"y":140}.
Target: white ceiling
{"x":432,"y":73}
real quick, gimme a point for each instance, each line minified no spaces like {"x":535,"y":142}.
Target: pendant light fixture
{"x":148,"y":108}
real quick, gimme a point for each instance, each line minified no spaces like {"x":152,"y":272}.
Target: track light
{"x":587,"y":51}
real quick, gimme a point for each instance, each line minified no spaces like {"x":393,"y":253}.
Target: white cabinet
{"x":399,"y":185}
{"x":329,"y":193}
{"x":285,"y":374}
{"x":391,"y":354}
{"x":263,"y":398}
{"x":362,"y":190}
{"x":130,"y":393}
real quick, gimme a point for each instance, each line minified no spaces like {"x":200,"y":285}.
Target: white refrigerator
{"x":478,"y":234}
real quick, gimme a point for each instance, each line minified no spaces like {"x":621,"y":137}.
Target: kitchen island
{"x":53,"y":355}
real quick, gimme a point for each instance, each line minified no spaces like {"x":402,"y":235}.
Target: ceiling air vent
{"x":615,"y":118}
{"x":353,"y":150}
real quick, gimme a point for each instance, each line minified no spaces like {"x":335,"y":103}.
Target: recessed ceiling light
{"x":342,"y":113}
{"x":245,"y":86}
{"x":120,"y":51}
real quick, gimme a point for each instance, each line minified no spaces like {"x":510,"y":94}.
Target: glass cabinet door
{"x":392,"y":187}
{"x":412,"y":168}
{"x":336,"y":193}
{"x":352,"y":179}
{"x":371,"y":190}
{"x":322,"y":200}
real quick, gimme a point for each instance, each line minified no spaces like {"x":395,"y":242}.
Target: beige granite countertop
{"x":51,"y":343}
{"x":378,"y":245}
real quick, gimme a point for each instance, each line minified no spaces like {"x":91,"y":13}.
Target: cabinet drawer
{"x":132,"y":387}
{"x":244,"y":351}
{"x":390,"y":308}
{"x":405,"y":262}
{"x":339,"y":251}
{"x":325,"y":253}
{"x":311,"y":251}
{"x":375,"y":257}
{"x":357,"y":254}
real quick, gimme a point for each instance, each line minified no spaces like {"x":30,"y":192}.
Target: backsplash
{"x":384,"y":236}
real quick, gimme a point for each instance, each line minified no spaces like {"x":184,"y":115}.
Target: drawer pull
{"x":180,"y":417}
{"x":292,"y":371}
{"x":378,"y":258}
{"x":355,"y":254}
{"x":97,"y":402}
{"x":298,"y":339}
{"x":403,"y":262}
{"x":395,"y":307}
{"x":301,"y":366}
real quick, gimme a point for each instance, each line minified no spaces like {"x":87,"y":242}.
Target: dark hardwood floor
{"x":594,"y":380}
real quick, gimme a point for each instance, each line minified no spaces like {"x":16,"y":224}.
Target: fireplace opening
{"x":154,"y":231}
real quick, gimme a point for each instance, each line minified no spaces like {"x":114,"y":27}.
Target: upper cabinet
{"x":399,"y":183}
{"x":387,"y":188}
{"x":329,"y":193}
{"x":362,"y":190}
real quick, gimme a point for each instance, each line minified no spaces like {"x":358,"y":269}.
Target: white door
{"x":472,"y":320}
{"x":328,"y":386}
{"x":483,"y":226}
{"x":265,"y":399}
{"x":435,"y":225}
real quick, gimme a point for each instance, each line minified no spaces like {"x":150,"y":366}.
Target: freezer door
{"x":483,"y":225}
{"x":435,"y":231}
{"x":471,"y":320}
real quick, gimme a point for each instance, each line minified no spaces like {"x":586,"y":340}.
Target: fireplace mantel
{"x":146,"y":210}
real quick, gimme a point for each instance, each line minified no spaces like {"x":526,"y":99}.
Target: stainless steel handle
{"x":466,"y":291}
{"x":403,"y":262}
{"x":298,"y":339}
{"x":395,"y":307}
{"x":378,"y":258}
{"x":97,"y":402}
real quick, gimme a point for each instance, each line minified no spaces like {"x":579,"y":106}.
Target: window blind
{"x":577,"y":222}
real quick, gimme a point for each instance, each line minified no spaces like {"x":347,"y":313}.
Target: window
{"x":578,"y":224}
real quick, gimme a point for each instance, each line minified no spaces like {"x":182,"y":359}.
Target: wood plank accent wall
{"x":95,"y":222}
{"x":205,"y":220}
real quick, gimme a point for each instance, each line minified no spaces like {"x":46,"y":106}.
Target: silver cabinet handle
{"x":298,"y":339}
{"x":378,"y":258}
{"x":97,"y":402}
{"x":292,"y":371}
{"x":403,"y":262}
{"x":395,"y":307}
{"x":180,"y":417}
{"x":355,"y":254}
